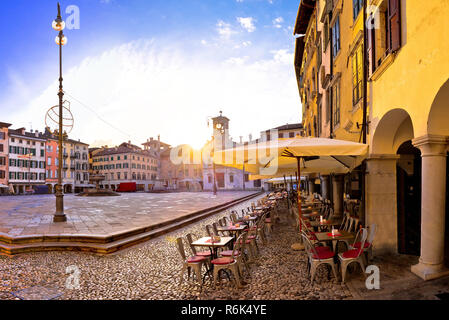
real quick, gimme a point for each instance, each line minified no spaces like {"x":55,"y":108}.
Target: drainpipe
{"x":365,"y":107}
{"x":331,"y":127}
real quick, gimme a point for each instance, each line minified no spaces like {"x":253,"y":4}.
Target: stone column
{"x":311,"y":185}
{"x":381,"y":201}
{"x":433,"y":206}
{"x":337,"y":192}
{"x":325,"y":187}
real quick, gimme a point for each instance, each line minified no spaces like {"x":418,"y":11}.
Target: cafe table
{"x":340,"y":235}
{"x":325,"y":223}
{"x":212,"y":245}
{"x":233,"y":229}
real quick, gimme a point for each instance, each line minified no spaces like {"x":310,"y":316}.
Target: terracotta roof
{"x":305,"y":11}
{"x":5,"y":125}
{"x":290,"y":126}
{"x":125,"y":148}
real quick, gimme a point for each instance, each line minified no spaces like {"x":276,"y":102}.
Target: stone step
{"x":106,"y":244}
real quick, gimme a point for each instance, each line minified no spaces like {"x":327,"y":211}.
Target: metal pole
{"x":213,"y":165}
{"x":298,"y":161}
{"x":59,"y":215}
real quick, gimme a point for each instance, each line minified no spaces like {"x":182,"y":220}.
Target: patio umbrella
{"x":278,"y":157}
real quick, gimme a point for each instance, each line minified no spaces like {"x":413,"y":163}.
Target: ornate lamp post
{"x":61,"y":40}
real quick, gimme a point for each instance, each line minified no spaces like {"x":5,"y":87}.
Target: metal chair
{"x":194,"y":262}
{"x":317,"y":256}
{"x":354,"y":255}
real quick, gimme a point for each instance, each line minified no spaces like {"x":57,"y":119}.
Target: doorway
{"x":220,"y":180}
{"x":446,"y":231}
{"x":408,"y":173}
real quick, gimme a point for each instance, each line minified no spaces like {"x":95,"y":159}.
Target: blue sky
{"x":152,"y":67}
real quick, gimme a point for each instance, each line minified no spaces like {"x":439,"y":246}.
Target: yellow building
{"x":402,"y":50}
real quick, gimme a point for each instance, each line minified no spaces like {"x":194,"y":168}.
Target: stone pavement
{"x":99,"y":216}
{"x":397,"y":282}
{"x":151,"y":271}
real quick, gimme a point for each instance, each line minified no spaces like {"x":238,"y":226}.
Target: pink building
{"x":4,"y":159}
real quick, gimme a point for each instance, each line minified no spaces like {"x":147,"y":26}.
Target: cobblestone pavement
{"x":33,"y":215}
{"x":151,"y":271}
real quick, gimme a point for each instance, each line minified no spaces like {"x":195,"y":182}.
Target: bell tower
{"x":221,"y":129}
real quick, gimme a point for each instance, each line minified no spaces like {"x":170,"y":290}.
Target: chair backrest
{"x":221,"y":223}
{"x":308,"y":246}
{"x":372,"y":233}
{"x":180,"y":246}
{"x":343,"y":222}
{"x":361,"y":236}
{"x":233,"y":217}
{"x":190,"y":237}
{"x":331,"y":214}
{"x":209,"y":230}
{"x":214,"y":227}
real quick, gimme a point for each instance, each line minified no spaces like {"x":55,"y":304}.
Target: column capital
{"x":431,"y":145}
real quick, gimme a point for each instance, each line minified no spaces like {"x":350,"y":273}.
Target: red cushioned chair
{"x":318,"y":256}
{"x":368,"y":247}
{"x":229,"y":263}
{"x":242,"y":259}
{"x":355,"y":254}
{"x":195,"y":262}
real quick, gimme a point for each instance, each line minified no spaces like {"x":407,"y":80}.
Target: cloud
{"x":278,"y":22}
{"x":225,"y":29}
{"x":247,"y":23}
{"x":145,"y":88}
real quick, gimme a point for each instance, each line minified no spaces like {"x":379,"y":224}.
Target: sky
{"x":136,"y":69}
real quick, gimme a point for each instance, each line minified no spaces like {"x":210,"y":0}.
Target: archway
{"x":408,"y":173}
{"x":438,"y":124}
{"x":384,"y":192}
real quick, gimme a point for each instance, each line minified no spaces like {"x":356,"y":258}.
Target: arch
{"x":438,"y":121}
{"x":393,"y":129}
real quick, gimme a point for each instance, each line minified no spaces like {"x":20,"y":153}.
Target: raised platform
{"x":103,"y":225}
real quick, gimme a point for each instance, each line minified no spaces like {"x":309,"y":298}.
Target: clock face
{"x":218,"y":126}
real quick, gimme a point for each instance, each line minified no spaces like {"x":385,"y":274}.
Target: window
{"x":231,"y":178}
{"x":118,"y":175}
{"x":281,"y":135}
{"x":394,"y":25}
{"x":357,"y":75}
{"x":291,"y":134}
{"x":209,"y":179}
{"x":319,"y":117}
{"x":125,"y":175}
{"x":246,"y":177}
{"x":336,"y":37}
{"x":336,"y":103}
{"x":2,"y":135}
{"x":326,"y":33}
{"x":257,"y":183}
{"x":357,"y":6}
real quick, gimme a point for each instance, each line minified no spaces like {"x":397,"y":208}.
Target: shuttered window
{"x":357,"y":75}
{"x":357,"y":6}
{"x":336,"y":103}
{"x":371,"y":49}
{"x":394,"y":25}
{"x":336,"y":37}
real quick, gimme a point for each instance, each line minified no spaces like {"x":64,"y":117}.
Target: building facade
{"x":4,"y":158}
{"x":75,"y":166}
{"x":388,"y":86}
{"x":225,"y":178}
{"x":26,"y":160}
{"x":126,"y":163}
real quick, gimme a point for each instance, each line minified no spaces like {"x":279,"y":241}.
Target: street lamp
{"x":60,"y":40}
